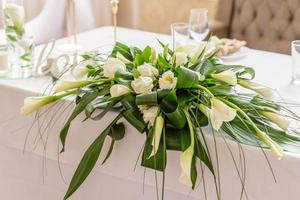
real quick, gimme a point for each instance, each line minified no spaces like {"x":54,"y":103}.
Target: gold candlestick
{"x":115,"y":8}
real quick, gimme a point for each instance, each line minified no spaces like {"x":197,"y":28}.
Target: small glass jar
{"x":20,"y":46}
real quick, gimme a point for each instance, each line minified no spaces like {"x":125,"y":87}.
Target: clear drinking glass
{"x":20,"y":46}
{"x":198,"y":24}
{"x":295,"y":62}
{"x":180,"y":33}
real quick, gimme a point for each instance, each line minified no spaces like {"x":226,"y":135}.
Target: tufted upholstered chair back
{"x":265,"y":24}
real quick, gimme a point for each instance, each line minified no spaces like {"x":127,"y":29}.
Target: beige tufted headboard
{"x":265,"y":24}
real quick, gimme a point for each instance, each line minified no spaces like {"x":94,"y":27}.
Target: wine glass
{"x":180,"y":33}
{"x":198,"y":24}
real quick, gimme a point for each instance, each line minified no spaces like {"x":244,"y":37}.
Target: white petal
{"x":32,"y":104}
{"x":119,"y":90}
{"x":276,"y":118}
{"x":159,"y":124}
{"x":227,"y":76}
{"x":67,"y":85}
{"x":223,"y":111}
{"x":186,"y":158}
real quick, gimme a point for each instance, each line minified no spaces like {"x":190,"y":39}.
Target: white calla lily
{"x":186,"y":159}
{"x":68,"y":85}
{"x":227,"y":76}
{"x":32,"y":104}
{"x":168,"y":80}
{"x":218,"y":113}
{"x":111,"y":66}
{"x":80,"y":72}
{"x":16,"y":13}
{"x":119,"y":90}
{"x":180,"y":58}
{"x":263,"y":91}
{"x":147,"y":70}
{"x":142,"y":85}
{"x":158,"y":128}
{"x":277,"y":119}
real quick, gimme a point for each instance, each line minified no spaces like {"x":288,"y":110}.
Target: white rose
{"x":143,"y":107}
{"x":167,"y":81}
{"x":150,"y":114}
{"x":16,"y":14}
{"x":119,"y":90}
{"x":147,"y":70}
{"x":111,"y":66}
{"x":142,"y":85}
{"x":181,"y":58}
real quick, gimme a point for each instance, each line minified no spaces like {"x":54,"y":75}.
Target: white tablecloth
{"x":22,"y":175}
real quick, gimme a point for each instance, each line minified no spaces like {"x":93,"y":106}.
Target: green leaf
{"x":185,"y":143}
{"x":128,"y":102}
{"x":124,"y":75}
{"x":158,"y":161}
{"x":122,"y":49}
{"x":89,"y":160}
{"x":169,"y":103}
{"x":147,"y":99}
{"x":146,"y":54}
{"x":173,"y":139}
{"x":134,"y":117}
{"x":163,"y":63}
{"x":188,"y":78}
{"x":165,"y":46}
{"x":111,"y":147}
{"x":83,"y":102}
{"x":221,"y":90}
{"x":117,"y":131}
{"x":101,"y":114}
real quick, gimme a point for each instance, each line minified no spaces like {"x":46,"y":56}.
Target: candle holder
{"x":115,"y":8}
{"x":72,"y":47}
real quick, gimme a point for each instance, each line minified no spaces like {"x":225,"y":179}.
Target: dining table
{"x":31,"y":166}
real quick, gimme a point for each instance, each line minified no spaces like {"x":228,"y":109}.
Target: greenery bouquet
{"x":170,"y":96}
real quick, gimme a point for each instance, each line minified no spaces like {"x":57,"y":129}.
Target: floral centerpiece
{"x":170,"y":96}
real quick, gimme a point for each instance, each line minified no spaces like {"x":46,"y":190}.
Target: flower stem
{"x":67,"y":93}
{"x":206,"y":90}
{"x":277,"y":150}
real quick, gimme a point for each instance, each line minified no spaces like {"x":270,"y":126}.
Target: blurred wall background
{"x":150,"y":15}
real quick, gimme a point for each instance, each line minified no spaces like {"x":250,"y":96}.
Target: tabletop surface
{"x":272,"y":69}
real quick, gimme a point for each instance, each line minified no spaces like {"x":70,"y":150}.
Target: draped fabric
{"x":46,"y":19}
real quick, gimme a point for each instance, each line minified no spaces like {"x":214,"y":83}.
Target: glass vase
{"x":20,"y":46}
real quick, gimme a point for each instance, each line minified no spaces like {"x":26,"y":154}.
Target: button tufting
{"x":243,"y":32}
